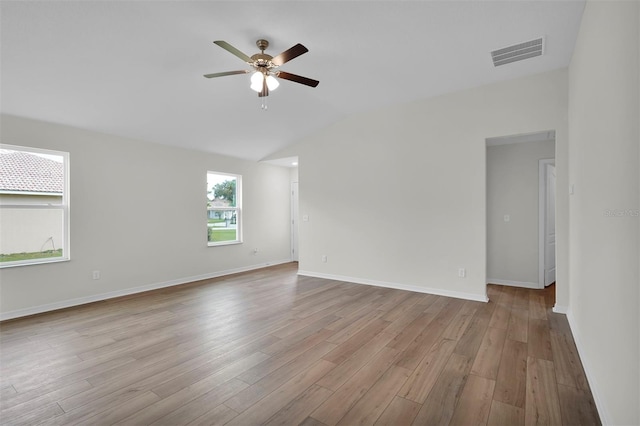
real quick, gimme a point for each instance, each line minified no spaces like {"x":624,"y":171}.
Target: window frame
{"x":237,"y":209}
{"x":64,"y":206}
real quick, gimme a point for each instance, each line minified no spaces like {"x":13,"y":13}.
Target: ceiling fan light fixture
{"x":272,"y":83}
{"x":265,"y":67}
{"x":256,"y":81}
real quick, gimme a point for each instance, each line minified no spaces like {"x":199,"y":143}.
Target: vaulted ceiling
{"x":135,"y":68}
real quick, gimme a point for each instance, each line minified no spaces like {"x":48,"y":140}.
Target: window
{"x":223,"y":209}
{"x":34,"y":206}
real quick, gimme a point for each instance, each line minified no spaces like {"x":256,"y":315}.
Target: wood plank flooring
{"x":270,"y":347}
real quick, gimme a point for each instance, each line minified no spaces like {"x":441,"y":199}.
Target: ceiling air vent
{"x":518,"y":52}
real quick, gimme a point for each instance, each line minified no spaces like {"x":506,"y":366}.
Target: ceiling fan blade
{"x":290,"y":54}
{"x":297,"y":78}
{"x":222,"y":74}
{"x":229,"y":48}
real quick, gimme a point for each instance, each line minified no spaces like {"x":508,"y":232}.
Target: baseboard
{"x":512,"y":283}
{"x":560,"y":309}
{"x":605,"y":417}
{"x":414,"y":288}
{"x":132,"y":290}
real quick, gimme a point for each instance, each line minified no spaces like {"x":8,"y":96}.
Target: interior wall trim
{"x":605,"y":417}
{"x":560,"y":309}
{"x":414,"y":288}
{"x":128,"y":291}
{"x":511,"y":283}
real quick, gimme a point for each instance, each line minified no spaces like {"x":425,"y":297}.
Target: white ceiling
{"x":134,"y":68}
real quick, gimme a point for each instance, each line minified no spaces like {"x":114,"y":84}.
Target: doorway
{"x":520,"y":191}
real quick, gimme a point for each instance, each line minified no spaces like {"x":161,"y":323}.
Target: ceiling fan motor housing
{"x":262,"y":44}
{"x":262,"y":61}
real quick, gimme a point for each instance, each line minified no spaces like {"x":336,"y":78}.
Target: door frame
{"x":294,"y":252}
{"x":542,"y":213}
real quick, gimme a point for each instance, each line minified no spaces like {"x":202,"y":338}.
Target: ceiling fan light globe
{"x":272,"y":83}
{"x":256,"y":81}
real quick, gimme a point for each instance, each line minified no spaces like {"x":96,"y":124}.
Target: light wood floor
{"x":269,"y":347}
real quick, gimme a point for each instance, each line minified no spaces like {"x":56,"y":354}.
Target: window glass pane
{"x":33,"y":205}
{"x":221,"y":190}
{"x":222,"y":225}
{"x":31,"y":233}
{"x":223,"y":210}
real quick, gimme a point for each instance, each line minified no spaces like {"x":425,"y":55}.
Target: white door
{"x":294,"y":221}
{"x":550,"y":227}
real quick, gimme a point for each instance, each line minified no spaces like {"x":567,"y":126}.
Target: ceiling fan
{"x":265,"y":67}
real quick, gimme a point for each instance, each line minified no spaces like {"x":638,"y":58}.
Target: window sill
{"x":32,"y":262}
{"x":224,"y":243}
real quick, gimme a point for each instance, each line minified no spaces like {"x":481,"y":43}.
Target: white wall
{"x":138,"y":214}
{"x":604,"y":139}
{"x":512,"y":188}
{"x":397,"y":196}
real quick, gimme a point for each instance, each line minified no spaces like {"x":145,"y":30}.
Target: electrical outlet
{"x":96,"y":275}
{"x":324,"y":258}
{"x":462,"y":272}
{"x":255,"y":251}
